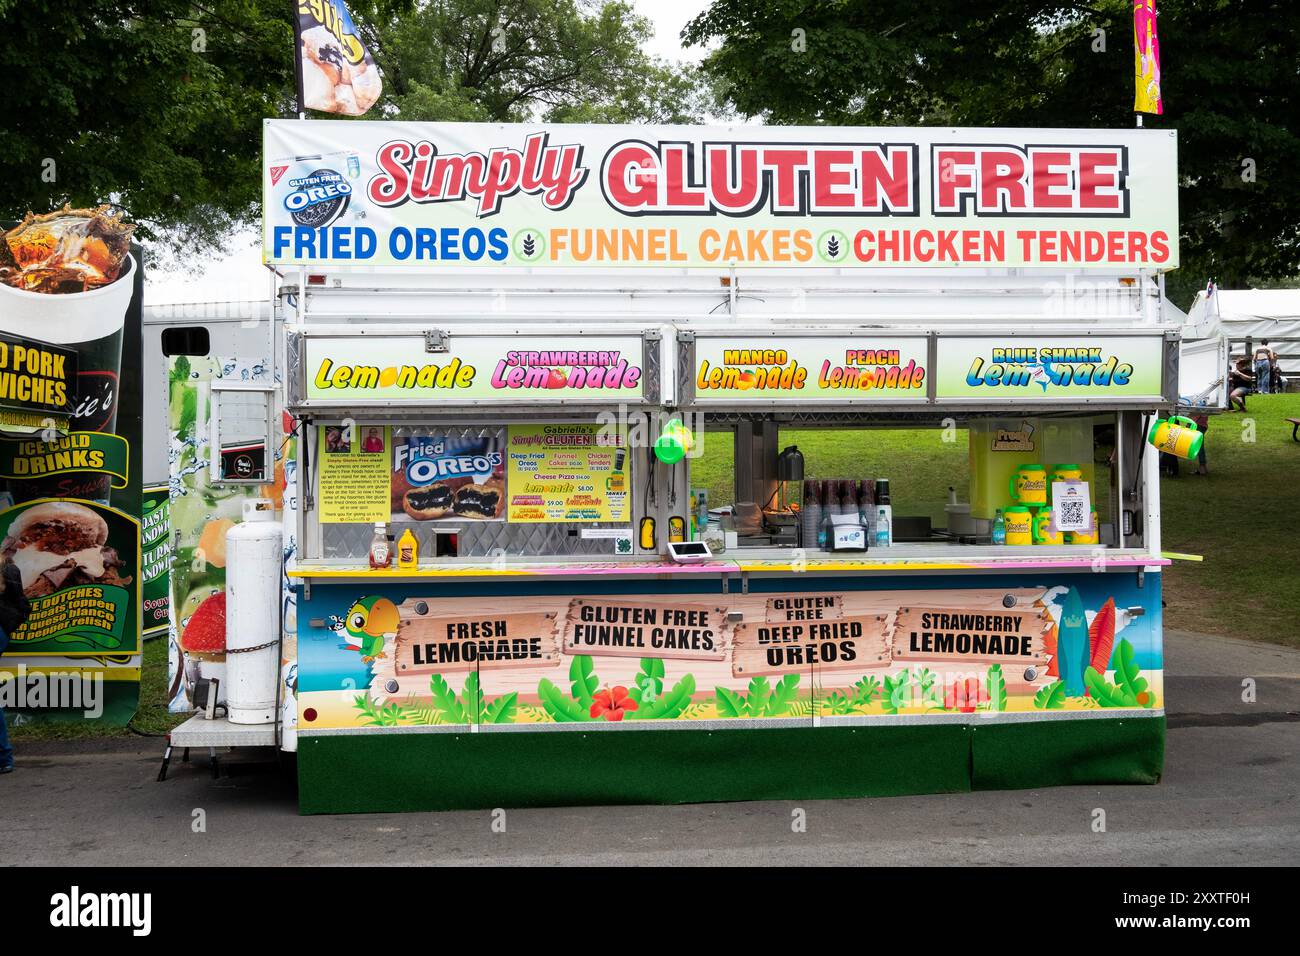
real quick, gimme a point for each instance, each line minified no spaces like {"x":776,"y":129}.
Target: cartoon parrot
{"x":367,"y":624}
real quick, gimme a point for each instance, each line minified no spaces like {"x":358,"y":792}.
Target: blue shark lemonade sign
{"x":1050,"y":367}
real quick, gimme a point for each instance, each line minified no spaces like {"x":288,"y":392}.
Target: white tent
{"x":1257,"y":314}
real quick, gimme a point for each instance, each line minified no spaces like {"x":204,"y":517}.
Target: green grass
{"x":1243,"y":518}
{"x":918,"y":462}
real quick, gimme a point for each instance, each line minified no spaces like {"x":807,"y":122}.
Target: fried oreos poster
{"x":70,"y":490}
{"x":449,"y":477}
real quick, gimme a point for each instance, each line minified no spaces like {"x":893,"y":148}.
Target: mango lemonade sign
{"x":841,"y":369}
{"x":489,"y":369}
{"x":599,"y":196}
{"x":1046,"y":367}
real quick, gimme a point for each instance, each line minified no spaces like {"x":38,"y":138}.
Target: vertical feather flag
{"x":335,"y":71}
{"x":1146,"y":56}
{"x":1101,"y":637}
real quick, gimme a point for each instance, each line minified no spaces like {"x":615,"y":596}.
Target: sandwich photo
{"x":59,"y":544}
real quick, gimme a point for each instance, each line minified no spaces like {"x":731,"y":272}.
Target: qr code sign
{"x":1071,"y":505}
{"x":1072,"y":515}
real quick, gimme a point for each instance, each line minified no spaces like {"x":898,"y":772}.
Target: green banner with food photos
{"x":71,"y":287}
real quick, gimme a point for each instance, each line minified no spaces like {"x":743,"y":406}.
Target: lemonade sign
{"x":840,"y":369}
{"x":346,"y":369}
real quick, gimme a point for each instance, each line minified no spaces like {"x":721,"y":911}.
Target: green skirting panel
{"x":1058,"y":753}
{"x":385,"y":772}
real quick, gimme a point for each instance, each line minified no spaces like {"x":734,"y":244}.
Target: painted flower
{"x":612,"y":704}
{"x":965,"y":695}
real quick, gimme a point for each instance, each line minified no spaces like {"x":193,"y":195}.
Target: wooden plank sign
{"x":665,"y":629}
{"x":848,"y":644}
{"x":435,"y":645}
{"x":805,"y":607}
{"x":979,"y":636}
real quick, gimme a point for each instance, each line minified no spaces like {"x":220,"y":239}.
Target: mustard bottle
{"x":408,"y":551}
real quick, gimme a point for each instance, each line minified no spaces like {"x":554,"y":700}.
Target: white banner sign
{"x":465,"y":194}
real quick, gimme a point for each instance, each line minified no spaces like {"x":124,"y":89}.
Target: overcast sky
{"x":241,"y":276}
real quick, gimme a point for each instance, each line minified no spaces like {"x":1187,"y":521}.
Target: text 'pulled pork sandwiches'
{"x":60,"y":544}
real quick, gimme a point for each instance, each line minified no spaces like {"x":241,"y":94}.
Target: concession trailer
{"x":679,"y":464}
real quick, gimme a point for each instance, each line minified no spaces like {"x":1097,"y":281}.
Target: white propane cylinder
{"x":253,"y":554}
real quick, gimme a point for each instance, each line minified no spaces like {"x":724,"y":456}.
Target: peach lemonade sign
{"x":813,"y":368}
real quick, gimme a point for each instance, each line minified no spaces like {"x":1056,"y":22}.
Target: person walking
{"x":14,"y":608}
{"x":1264,"y":358}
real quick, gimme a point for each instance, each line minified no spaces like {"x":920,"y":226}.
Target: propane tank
{"x":253,"y":553}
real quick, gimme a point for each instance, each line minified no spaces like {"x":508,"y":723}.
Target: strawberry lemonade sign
{"x":460,"y":194}
{"x":480,"y":369}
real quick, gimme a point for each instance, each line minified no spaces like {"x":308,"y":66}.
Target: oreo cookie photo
{"x":318,"y":198}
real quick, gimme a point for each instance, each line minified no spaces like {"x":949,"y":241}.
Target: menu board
{"x":567,"y":472}
{"x":348,"y":369}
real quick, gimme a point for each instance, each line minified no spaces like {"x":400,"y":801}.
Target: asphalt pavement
{"x":1230,"y":796}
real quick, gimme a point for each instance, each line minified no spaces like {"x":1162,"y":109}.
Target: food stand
{"x":539,"y":434}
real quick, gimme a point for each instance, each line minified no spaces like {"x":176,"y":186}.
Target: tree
{"x":519,"y":60}
{"x":153,"y":104}
{"x":157,"y":105}
{"x":1229,"y":80}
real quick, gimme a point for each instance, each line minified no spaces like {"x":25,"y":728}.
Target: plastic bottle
{"x":882,"y":527}
{"x":999,"y":528}
{"x":381,"y":555}
{"x":867,"y":506}
{"x":408,"y":551}
{"x":884,"y":507}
